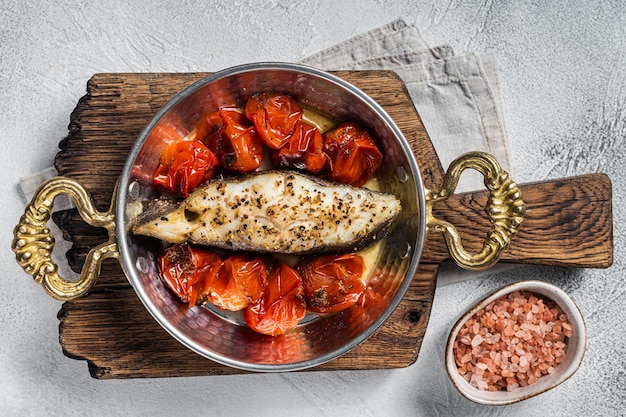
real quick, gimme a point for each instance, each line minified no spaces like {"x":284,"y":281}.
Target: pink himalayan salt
{"x":512,"y":342}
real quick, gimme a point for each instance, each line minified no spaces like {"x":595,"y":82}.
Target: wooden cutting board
{"x":568,"y":223}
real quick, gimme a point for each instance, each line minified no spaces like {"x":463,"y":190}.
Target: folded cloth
{"x":457,"y":97}
{"x":395,"y":37}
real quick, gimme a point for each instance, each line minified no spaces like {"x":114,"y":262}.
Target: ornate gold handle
{"x":33,"y":242}
{"x":505,"y":209}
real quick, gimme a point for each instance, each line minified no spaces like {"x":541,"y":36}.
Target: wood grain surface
{"x":568,"y":223}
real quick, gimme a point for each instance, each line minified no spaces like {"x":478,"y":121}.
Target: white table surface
{"x":563,"y":73}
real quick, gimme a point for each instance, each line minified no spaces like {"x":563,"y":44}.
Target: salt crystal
{"x":518,"y":349}
{"x":477,"y":340}
{"x":523,"y":361}
{"x":567,"y":329}
{"x":511,"y":387}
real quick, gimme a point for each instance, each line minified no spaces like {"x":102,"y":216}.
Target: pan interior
{"x":314,"y":341}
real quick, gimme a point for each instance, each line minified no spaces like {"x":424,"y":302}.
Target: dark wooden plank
{"x":568,"y":222}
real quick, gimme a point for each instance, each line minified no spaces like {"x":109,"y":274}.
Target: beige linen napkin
{"x":457,"y":97}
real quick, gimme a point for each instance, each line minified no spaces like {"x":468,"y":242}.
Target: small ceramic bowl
{"x":574,"y":355}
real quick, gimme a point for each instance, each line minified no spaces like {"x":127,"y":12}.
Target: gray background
{"x":563,"y":73}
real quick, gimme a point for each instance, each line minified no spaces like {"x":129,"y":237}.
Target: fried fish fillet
{"x":273,"y":211}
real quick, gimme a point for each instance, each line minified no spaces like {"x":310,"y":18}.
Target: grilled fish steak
{"x":273,"y":211}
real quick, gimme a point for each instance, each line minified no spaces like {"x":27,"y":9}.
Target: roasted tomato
{"x":234,"y":140}
{"x":303,"y":150}
{"x":274,"y":116}
{"x":240,"y":282}
{"x":186,"y":270}
{"x":332,"y":282}
{"x":352,"y":154}
{"x":183,"y":166}
{"x":282,"y":306}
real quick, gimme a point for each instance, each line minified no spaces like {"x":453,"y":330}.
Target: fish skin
{"x":273,"y":211}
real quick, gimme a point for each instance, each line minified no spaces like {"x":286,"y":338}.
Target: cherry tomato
{"x":282,"y":306}
{"x":186,"y":269}
{"x":332,"y":282}
{"x":303,"y":150}
{"x":234,"y":140}
{"x":183,"y":166}
{"x":275,"y":116}
{"x":352,"y":153}
{"x":240,"y":282}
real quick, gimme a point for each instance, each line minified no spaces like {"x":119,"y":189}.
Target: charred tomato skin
{"x":274,"y":116}
{"x":234,"y":140}
{"x":282,"y":306}
{"x":353,"y":156}
{"x":303,"y":150}
{"x":186,"y":270}
{"x":241,"y":281}
{"x":183,"y":166}
{"x":332,"y":282}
